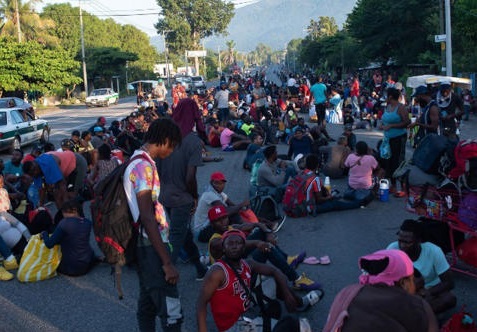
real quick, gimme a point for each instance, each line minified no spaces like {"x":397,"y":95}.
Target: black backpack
{"x":114,"y":228}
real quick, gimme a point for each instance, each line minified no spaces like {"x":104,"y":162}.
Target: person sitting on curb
{"x":215,"y":195}
{"x":227,"y":286}
{"x":384,"y":300}
{"x":261,"y":244}
{"x":431,"y":262}
{"x":318,"y":198}
{"x":232,"y":141}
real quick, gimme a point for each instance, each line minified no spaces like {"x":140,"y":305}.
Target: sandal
{"x":399,"y":194}
{"x":311,"y":299}
{"x":312,"y":260}
{"x":218,"y":158}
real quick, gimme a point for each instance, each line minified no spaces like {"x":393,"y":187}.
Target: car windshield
{"x":197,"y":78}
{"x":3,"y":118}
{"x":99,"y":92}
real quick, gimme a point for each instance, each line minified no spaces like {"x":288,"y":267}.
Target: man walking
{"x":318,"y":91}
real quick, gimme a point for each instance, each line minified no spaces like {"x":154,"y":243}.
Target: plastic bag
{"x":38,"y":262}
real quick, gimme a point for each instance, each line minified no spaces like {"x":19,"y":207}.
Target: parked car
{"x":186,"y":81}
{"x":102,"y":97}
{"x":19,"y":128}
{"x":8,"y":102}
{"x":199,"y":83}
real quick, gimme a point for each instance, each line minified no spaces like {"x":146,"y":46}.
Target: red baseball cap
{"x":217,"y":212}
{"x":217,"y":176}
{"x":231,"y":232}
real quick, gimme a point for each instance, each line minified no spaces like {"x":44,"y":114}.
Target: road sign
{"x":193,"y":54}
{"x":440,"y":38}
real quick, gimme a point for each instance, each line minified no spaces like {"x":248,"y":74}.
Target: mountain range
{"x":274,"y":22}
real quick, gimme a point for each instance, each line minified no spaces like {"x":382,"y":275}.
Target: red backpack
{"x":294,"y":200}
{"x":463,"y":152}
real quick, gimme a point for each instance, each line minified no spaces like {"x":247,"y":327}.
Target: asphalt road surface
{"x":90,"y":302}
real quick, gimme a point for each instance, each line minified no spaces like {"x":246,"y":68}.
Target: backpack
{"x":294,"y":200}
{"x":114,"y":228}
{"x":468,"y":210}
{"x":265,"y":206}
{"x":429,"y":151}
{"x":465,"y":153}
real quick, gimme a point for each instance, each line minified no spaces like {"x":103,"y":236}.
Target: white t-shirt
{"x":201,"y":217}
{"x":222,"y":97}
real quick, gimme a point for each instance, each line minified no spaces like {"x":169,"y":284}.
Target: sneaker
{"x":278,"y":225}
{"x":311,"y":299}
{"x":10,"y":264}
{"x":5,"y":275}
{"x":294,"y":261}
{"x":305,"y":283}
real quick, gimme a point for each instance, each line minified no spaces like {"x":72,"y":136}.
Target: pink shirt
{"x":226,"y":137}
{"x":360,"y":171}
{"x":67,"y":161}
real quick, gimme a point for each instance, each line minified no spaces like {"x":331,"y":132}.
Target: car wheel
{"x":16,"y":144}
{"x":45,"y":136}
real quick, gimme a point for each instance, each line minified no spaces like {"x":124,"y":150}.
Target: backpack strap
{"x":339,"y":308}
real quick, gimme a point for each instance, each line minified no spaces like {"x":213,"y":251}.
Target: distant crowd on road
{"x":164,"y":143}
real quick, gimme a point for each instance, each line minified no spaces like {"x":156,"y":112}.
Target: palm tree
{"x":32,"y":27}
{"x":229,"y":54}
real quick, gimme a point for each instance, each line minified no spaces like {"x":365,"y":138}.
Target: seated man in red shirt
{"x":227,"y":286}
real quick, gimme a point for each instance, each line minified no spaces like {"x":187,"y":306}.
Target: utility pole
{"x":164,"y":35}
{"x":220,"y":66}
{"x":17,"y":14}
{"x":83,"y":58}
{"x":448,"y":39}
{"x":442,"y":31}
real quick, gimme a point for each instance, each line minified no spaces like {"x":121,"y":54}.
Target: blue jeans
{"x":355,"y":105}
{"x":336,"y":205}
{"x":156,"y":296}
{"x":5,"y":250}
{"x":276,"y":256}
{"x":180,"y":234}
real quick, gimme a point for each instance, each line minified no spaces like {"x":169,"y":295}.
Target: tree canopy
{"x":29,"y":66}
{"x":189,"y":21}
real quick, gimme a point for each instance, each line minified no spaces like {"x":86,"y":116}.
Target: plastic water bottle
{"x":384,"y":190}
{"x":327,"y":184}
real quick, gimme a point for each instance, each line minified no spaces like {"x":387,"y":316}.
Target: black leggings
{"x":398,"y":153}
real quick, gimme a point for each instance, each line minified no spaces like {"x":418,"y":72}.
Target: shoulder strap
{"x":339,"y":308}
{"x":241,"y":281}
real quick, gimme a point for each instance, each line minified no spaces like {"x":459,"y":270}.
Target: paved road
{"x":89,"y":303}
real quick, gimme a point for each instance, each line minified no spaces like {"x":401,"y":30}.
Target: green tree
{"x":30,"y":66}
{"x":106,"y":62}
{"x":192,"y":20}
{"x":325,"y":26}
{"x":32,"y":26}
{"x":464,"y":35}
{"x":398,"y":30}
{"x":228,"y":56}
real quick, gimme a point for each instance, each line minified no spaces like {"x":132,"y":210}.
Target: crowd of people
{"x":241,"y":113}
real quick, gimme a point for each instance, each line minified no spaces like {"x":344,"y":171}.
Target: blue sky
{"x":140,"y":13}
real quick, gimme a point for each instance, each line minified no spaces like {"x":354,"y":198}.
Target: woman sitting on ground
{"x":360,"y":177}
{"x":385,"y":300}
{"x":105,"y":165}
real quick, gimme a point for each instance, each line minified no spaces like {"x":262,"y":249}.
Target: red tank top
{"x":230,"y":300}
